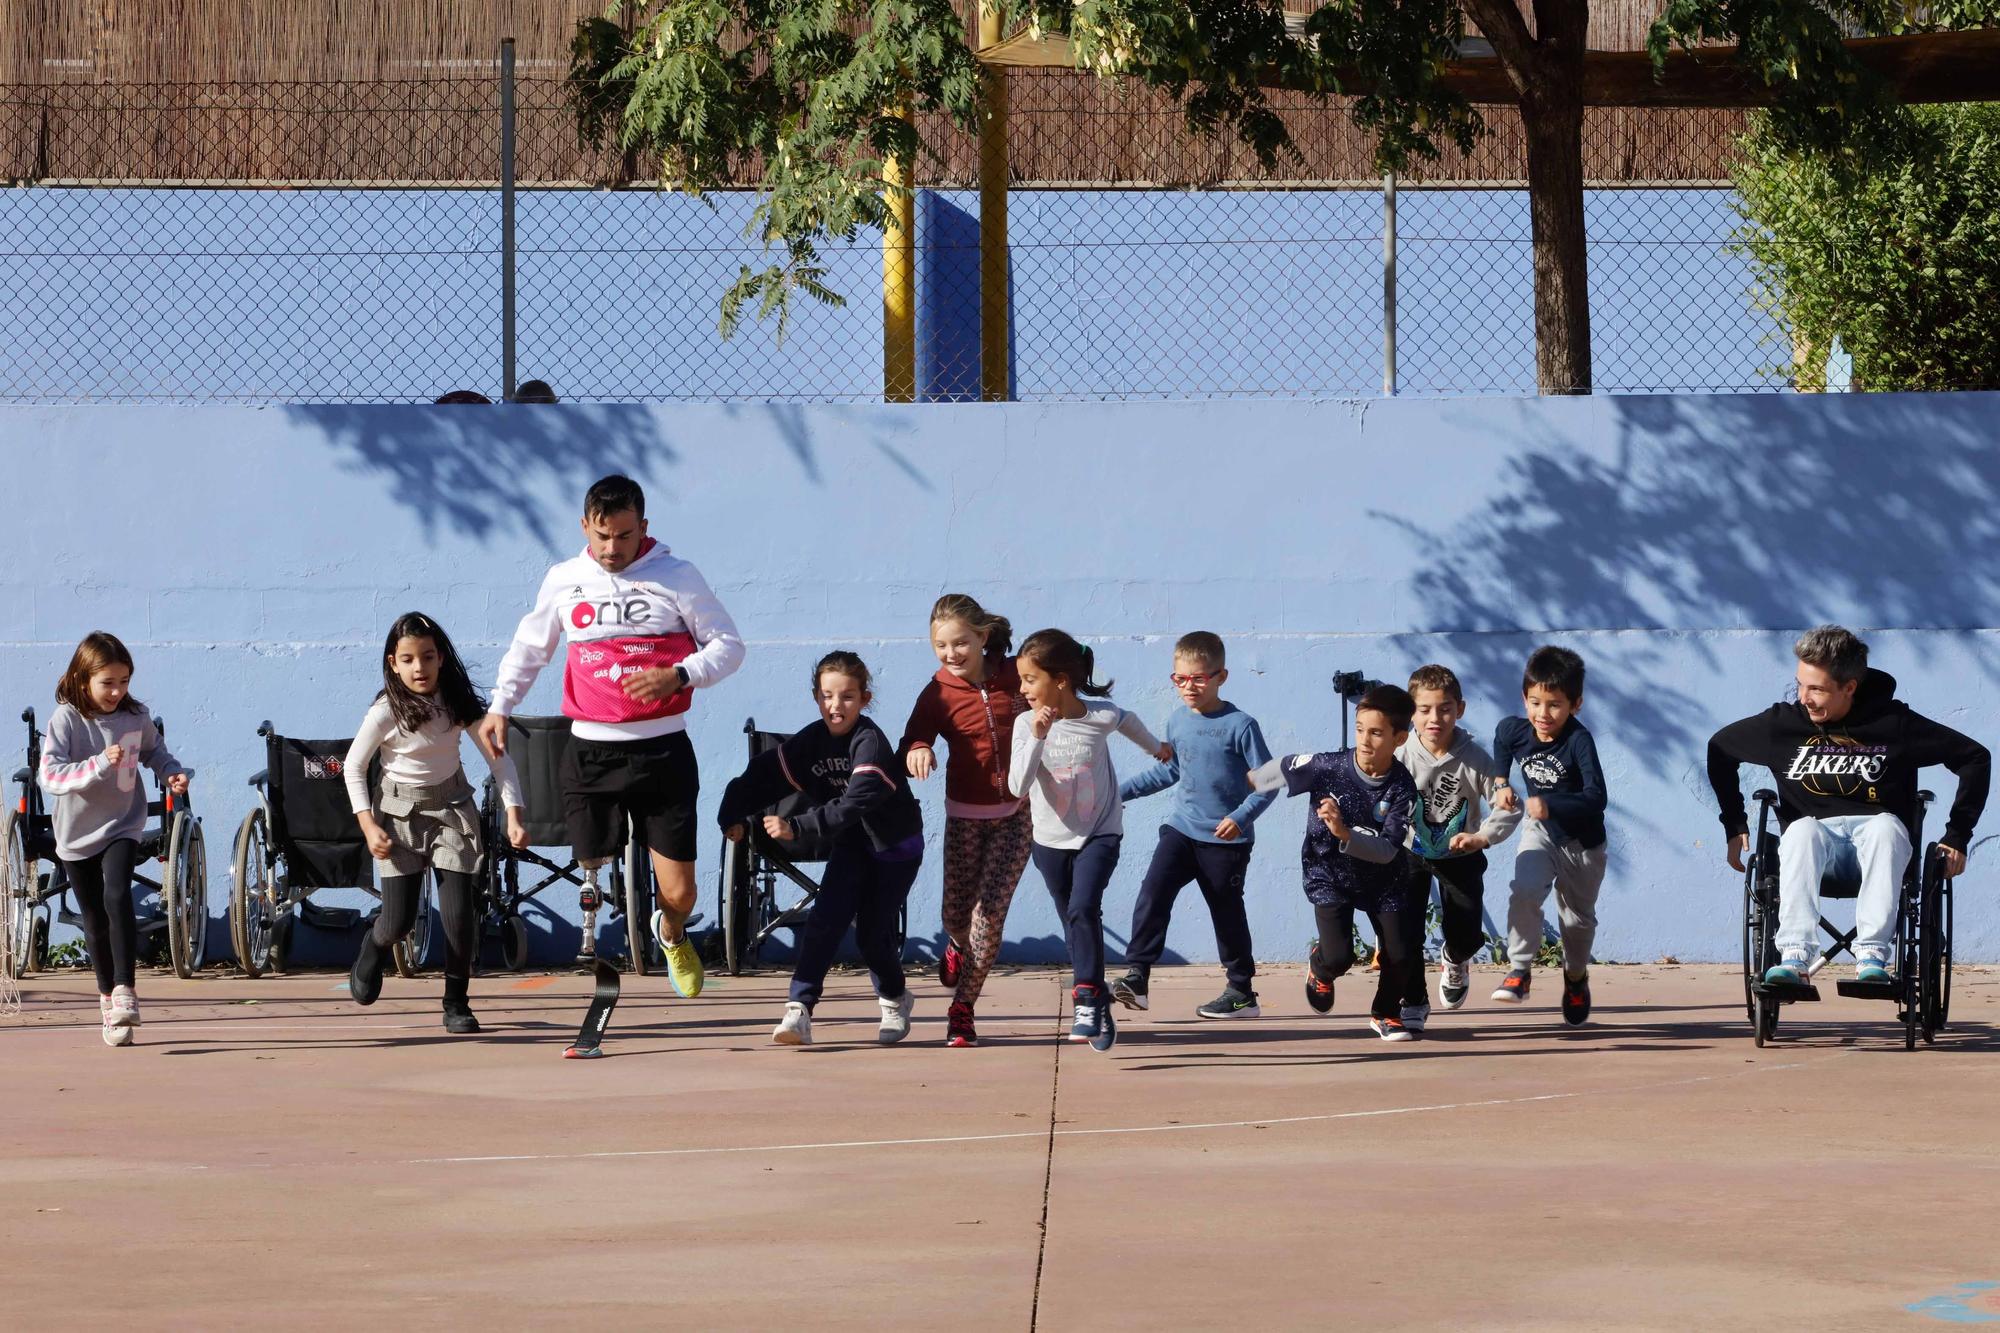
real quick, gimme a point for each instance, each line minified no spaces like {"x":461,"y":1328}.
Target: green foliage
{"x":1900,"y":262}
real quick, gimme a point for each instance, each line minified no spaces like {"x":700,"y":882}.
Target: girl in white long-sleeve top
{"x":1062,"y":764}
{"x":425,"y":817}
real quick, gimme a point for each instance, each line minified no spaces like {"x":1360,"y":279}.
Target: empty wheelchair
{"x":35,"y":885}
{"x":514,"y":877}
{"x":751,"y":869}
{"x":1921,"y":985}
{"x":301,"y":838}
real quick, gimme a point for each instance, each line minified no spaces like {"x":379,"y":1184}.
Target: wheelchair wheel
{"x":1935,"y":951}
{"x":638,"y":900}
{"x":1752,"y":954}
{"x":1910,"y":969}
{"x":513,"y":942}
{"x":17,"y":885}
{"x":735,"y":893}
{"x":184,"y":895}
{"x":253,"y":925}
{"x":413,"y":951}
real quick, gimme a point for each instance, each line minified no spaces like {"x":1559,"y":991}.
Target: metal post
{"x":995,"y":316}
{"x":1389,"y":284}
{"x":507,"y":383}
{"x":899,"y":285}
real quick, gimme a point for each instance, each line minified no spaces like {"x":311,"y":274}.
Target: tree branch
{"x":1503,"y":26}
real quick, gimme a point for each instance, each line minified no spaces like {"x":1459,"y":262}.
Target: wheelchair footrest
{"x":329,"y":918}
{"x":1785,"y":992}
{"x":1869,"y":990}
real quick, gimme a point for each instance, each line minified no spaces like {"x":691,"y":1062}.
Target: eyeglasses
{"x":1195,"y":682}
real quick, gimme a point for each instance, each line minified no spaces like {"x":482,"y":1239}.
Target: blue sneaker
{"x":1786,"y":974}
{"x":1089,"y":1015}
{"x":1872,"y":972}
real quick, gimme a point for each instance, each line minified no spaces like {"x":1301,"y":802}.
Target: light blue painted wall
{"x":253,"y":558}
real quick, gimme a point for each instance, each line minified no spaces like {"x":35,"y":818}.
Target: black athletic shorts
{"x":651,"y":782}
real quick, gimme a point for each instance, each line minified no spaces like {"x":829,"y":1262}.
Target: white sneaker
{"x":1415,"y":1016}
{"x":795,"y":1028}
{"x":116,"y":1034}
{"x":1454,"y":983}
{"x":895,"y":1018}
{"x":124,"y":1007}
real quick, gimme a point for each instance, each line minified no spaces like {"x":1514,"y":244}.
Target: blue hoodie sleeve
{"x":1157,"y":778}
{"x":870,"y":782}
{"x":1588,"y":802}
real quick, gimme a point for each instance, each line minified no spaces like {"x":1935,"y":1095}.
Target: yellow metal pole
{"x":899,"y":286}
{"x":994,"y":311}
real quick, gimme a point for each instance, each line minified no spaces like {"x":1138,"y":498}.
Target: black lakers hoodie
{"x":1864,"y":764}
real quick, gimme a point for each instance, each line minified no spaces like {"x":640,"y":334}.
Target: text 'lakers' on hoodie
{"x":1866,"y":763}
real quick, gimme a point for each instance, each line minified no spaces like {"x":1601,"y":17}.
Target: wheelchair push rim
{"x":252,"y":918}
{"x":412,"y":952}
{"x":184,"y":894}
{"x":17,"y":884}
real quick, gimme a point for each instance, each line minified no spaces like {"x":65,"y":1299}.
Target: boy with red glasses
{"x":1206,"y":838}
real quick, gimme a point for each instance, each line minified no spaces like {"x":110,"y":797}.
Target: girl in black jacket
{"x":847,"y":771}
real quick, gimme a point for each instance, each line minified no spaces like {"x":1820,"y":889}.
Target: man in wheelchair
{"x":1846,"y":756}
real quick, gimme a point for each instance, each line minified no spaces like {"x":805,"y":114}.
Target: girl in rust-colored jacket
{"x":972,"y":703}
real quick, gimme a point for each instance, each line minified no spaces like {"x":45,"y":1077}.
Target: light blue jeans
{"x":1877,"y":847}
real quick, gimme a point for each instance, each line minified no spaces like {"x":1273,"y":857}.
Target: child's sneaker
{"x":1576,"y":999}
{"x":1415,"y":1016}
{"x":1232,"y":1003}
{"x":1089,"y":1014}
{"x":895,"y":1018}
{"x":1389,"y":1029}
{"x":1513,"y":987}
{"x":1319,"y":991}
{"x":951,"y":964}
{"x":795,"y":1028}
{"x":1871,"y":971}
{"x":1107,"y":1028}
{"x":124,"y":1007}
{"x":1788,"y":972}
{"x":1454,"y":984}
{"x":116,"y":1034}
{"x":1130,"y":990}
{"x":958,"y":1029}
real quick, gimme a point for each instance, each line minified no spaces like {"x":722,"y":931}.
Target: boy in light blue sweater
{"x":1206,"y":838}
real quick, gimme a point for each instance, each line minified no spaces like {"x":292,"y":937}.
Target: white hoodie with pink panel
{"x":656,"y":612}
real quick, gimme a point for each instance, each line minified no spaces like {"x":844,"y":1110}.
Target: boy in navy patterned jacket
{"x":1353,"y":854}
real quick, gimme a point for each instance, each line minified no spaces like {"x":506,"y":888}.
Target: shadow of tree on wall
{"x":488,"y":470}
{"x":1718,"y":514}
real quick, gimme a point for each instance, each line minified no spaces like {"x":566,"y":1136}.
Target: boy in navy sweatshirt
{"x":1353,"y":856}
{"x":1206,"y":837}
{"x":1562,"y":839}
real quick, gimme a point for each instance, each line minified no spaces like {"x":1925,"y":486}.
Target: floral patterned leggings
{"x":983,"y":861}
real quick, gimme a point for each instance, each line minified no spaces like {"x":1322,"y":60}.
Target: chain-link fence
{"x":346,"y":242}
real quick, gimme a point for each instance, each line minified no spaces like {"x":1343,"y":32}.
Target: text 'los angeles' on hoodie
{"x":1864,"y":764}
{"x":656,"y":612}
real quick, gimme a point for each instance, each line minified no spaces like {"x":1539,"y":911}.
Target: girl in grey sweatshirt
{"x":89,"y":766}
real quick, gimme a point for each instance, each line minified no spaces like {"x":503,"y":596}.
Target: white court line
{"x":1043,"y":1134}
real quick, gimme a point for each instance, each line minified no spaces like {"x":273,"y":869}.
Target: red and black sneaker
{"x":958,"y":1030}
{"x":1513,"y":987}
{"x":1319,"y":990}
{"x":950,"y":965}
{"x":1576,"y":1000}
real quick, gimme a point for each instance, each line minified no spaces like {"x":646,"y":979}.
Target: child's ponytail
{"x":1057,"y":654}
{"x":963,"y":608}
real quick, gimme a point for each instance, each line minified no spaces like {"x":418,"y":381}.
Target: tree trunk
{"x":1552,"y":115}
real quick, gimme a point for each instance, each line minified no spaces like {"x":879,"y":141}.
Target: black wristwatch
{"x":682,"y":672}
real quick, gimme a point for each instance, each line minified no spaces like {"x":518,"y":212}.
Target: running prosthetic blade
{"x":590,"y":1037}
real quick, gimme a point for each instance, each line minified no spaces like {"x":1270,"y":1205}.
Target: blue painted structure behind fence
{"x":253,"y":558}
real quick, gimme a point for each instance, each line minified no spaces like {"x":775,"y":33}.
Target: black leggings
{"x":1392,"y":938}
{"x":103,"y":885}
{"x":455,"y":906}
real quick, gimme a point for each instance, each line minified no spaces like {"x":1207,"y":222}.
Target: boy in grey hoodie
{"x":1453,"y":825}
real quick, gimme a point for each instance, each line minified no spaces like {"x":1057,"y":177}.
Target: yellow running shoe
{"x":683,"y":963}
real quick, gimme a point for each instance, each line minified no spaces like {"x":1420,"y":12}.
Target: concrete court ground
{"x":270,"y":1155}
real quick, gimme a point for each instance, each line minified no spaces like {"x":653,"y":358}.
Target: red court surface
{"x":271,"y":1155}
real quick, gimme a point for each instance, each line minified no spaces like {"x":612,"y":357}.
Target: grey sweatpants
{"x":1547,"y":860}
